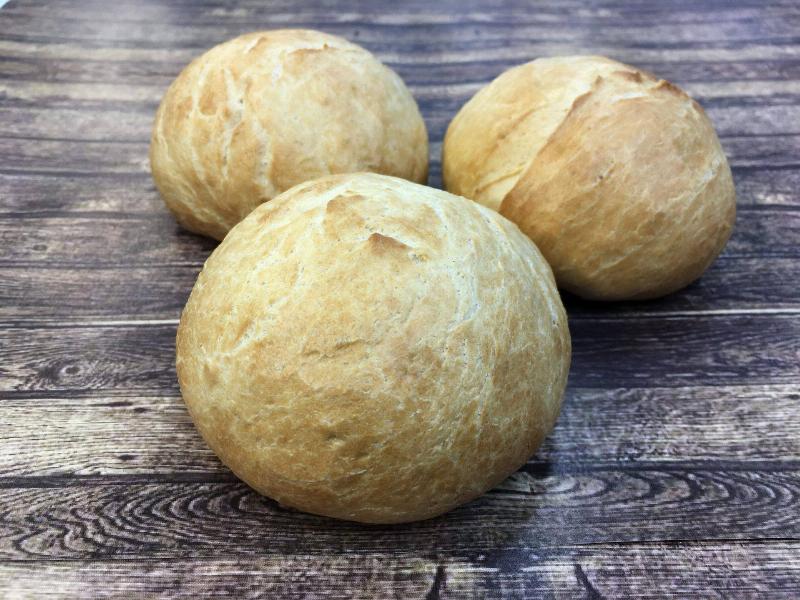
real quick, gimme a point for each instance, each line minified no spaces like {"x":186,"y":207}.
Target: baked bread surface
{"x":617,"y":176}
{"x":265,"y":111}
{"x":371,"y":349}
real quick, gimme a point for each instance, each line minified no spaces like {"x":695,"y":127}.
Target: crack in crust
{"x":371,"y":349}
{"x":265,"y":111}
{"x":618,"y":176}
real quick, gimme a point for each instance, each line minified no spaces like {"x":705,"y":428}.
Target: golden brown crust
{"x":618,"y":177}
{"x":371,"y":349}
{"x":260,"y":113}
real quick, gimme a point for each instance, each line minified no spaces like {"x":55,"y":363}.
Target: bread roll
{"x":617,"y":176}
{"x":372,"y":349}
{"x":260,"y":113}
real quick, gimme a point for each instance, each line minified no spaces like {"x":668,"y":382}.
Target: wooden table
{"x":674,"y":469}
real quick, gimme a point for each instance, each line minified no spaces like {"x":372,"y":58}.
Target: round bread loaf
{"x":617,"y":176}
{"x":263,"y":112}
{"x":371,"y":349}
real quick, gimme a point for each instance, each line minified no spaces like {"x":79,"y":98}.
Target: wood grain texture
{"x":64,"y":238}
{"x":148,"y":256}
{"x":607,"y":353}
{"x":674,"y":469}
{"x":95,"y":154}
{"x":139,"y":435}
{"x":107,"y":517}
{"x":746,"y":285}
{"x":766,"y":570}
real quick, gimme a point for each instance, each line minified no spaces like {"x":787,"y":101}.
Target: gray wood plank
{"x":140,"y":435}
{"x":764,"y":570}
{"x":538,"y":507}
{"x":608,"y":353}
{"x":25,"y":66}
{"x":72,"y":229}
{"x":143,"y":266}
{"x":729,"y":104}
{"x":43,"y":195}
{"x":156,"y":240}
{"x":418,"y":47}
{"x":91,"y":294}
{"x":26,"y":153}
{"x":407,"y":23}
